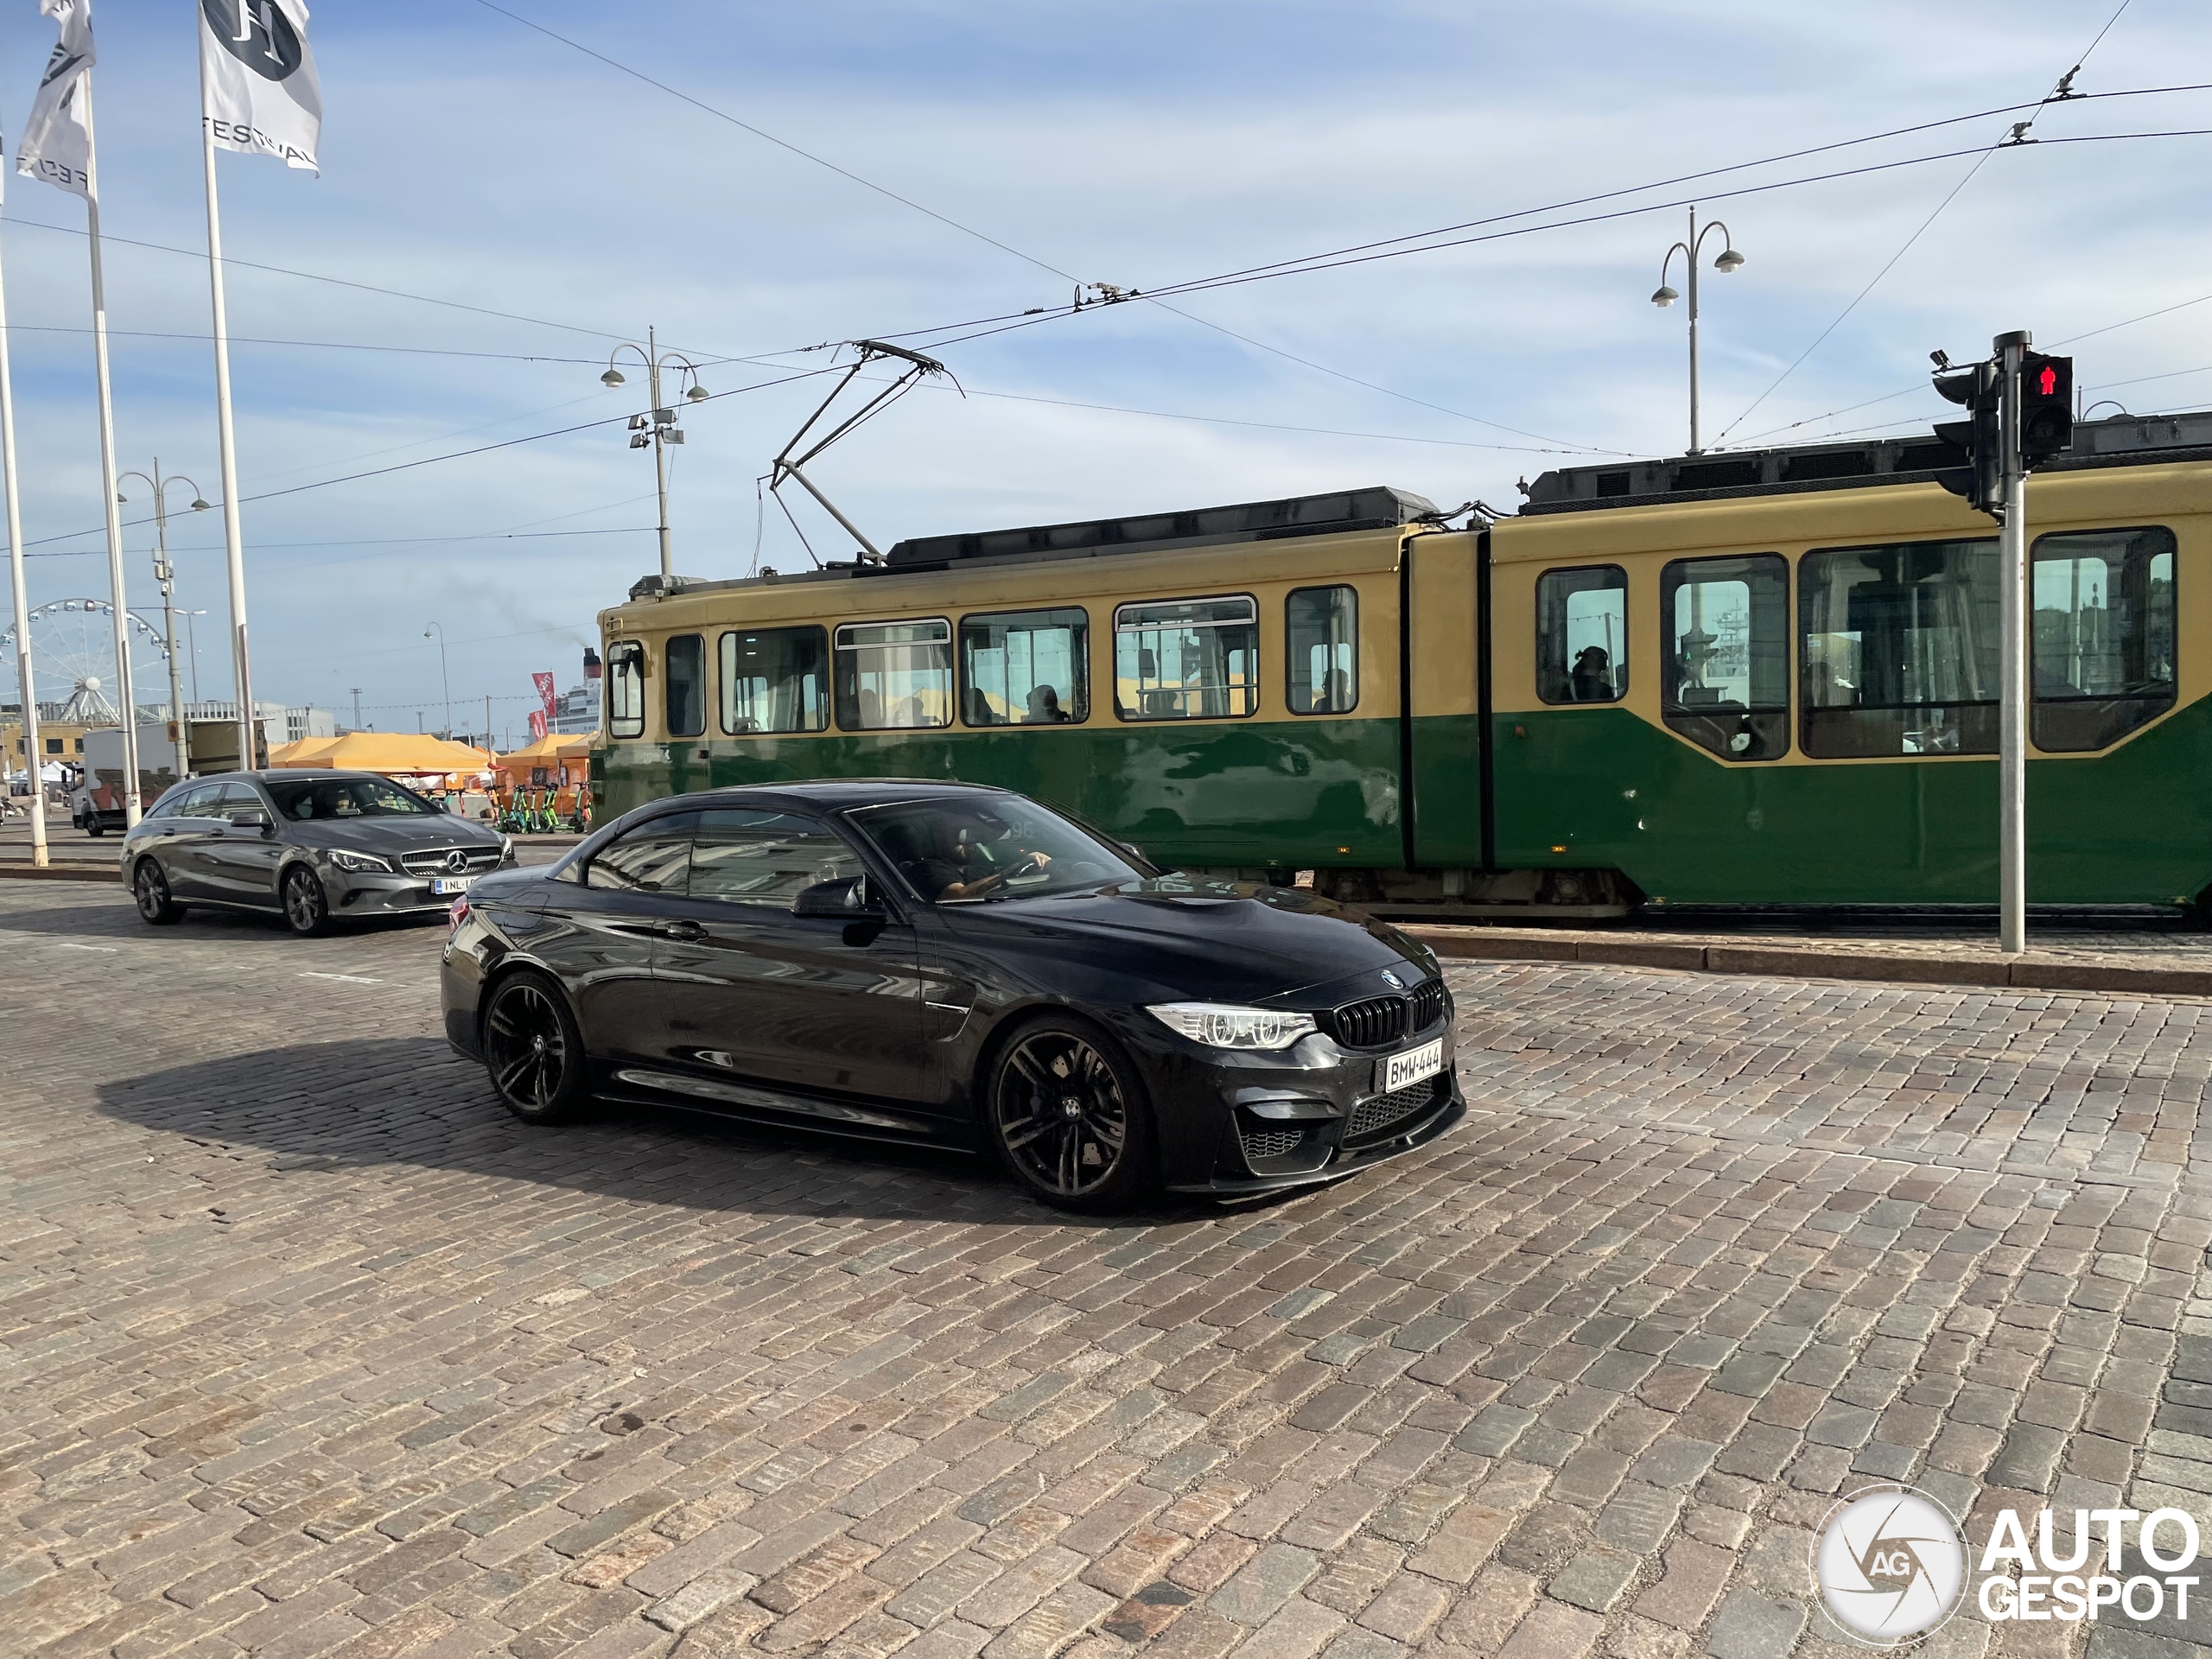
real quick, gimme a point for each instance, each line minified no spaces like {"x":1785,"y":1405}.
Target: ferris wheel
{"x":73,"y":662}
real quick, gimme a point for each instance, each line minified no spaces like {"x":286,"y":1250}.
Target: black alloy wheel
{"x":533,"y":1051}
{"x":307,"y":909}
{"x":1068,"y":1119}
{"x":151,"y":889}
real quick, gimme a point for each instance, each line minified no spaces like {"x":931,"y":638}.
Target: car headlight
{"x":359,"y":862}
{"x":1217,"y":1025}
{"x":506,"y":849}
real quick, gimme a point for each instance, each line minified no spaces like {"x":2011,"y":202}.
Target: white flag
{"x":57,"y":145}
{"x":261,"y":94}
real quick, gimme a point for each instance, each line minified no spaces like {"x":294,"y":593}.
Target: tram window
{"x":625,"y":688}
{"x":2104,"y":635}
{"x":1901,"y":649}
{"x":775,"y":680}
{"x":1026,"y":668}
{"x":686,"y":691}
{"x":1725,"y":678}
{"x":894,"y":676}
{"x":1582,"y":635}
{"x":1322,"y":625}
{"x":1186,"y":660}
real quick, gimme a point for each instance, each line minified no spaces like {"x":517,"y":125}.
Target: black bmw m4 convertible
{"x":945,"y":964}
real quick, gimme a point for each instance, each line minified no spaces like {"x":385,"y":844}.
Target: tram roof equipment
{"x":1715,"y":475}
{"x":1337,"y":513}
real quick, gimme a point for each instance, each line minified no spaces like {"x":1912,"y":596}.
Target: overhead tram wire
{"x":1290,"y":266}
{"x":312,"y":277}
{"x":1209,"y":284}
{"x":1004,"y":247}
{"x":301,"y":345}
{"x":2091,"y":334}
{"x":1158,"y":296}
{"x":780,"y":143}
{"x":427,"y":460}
{"x":1043,"y":316}
{"x":1284,"y":267}
{"x":2061,"y":91}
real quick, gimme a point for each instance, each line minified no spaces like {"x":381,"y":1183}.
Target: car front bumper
{"x":1236,"y":1121}
{"x":363,"y":893}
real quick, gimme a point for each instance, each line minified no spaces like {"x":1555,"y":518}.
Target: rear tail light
{"x":458,"y":912}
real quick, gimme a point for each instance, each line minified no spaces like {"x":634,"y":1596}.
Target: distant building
{"x":285,"y":725}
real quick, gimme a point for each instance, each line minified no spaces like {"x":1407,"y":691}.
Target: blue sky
{"x":468,"y":159}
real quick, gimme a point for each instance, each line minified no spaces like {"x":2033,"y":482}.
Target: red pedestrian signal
{"x":2046,"y":408}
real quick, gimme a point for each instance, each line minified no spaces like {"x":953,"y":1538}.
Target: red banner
{"x":546,"y":695}
{"x":537,"y":723}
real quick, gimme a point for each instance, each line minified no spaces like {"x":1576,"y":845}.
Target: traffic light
{"x":1981,"y":481}
{"x":2046,"y":408}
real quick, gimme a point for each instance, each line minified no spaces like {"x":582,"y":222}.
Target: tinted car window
{"x":199,"y":803}
{"x":652,"y":858}
{"x":324,"y":798}
{"x":764,"y":858}
{"x":961,"y":851}
{"x":238,"y":797}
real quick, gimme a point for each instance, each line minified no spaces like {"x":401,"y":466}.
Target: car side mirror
{"x":848,"y":900}
{"x":254,"y":818}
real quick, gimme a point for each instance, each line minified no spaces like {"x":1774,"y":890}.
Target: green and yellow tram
{"x":1750,"y":679}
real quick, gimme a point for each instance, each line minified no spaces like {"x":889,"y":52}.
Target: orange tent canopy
{"x":414,"y":754}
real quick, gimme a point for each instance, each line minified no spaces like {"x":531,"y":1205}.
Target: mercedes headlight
{"x":359,"y":862}
{"x":1218,"y":1025}
{"x":506,"y":849}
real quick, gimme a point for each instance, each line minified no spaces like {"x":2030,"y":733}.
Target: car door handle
{"x":683,"y":929}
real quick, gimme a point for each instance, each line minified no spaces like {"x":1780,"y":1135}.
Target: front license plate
{"x":1403,"y":1070}
{"x":446,"y":884}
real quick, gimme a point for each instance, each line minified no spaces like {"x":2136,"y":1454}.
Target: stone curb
{"x":1986,"y":970}
{"x":62,"y":871}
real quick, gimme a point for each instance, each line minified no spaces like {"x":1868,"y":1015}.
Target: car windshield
{"x":968,"y":851}
{"x":325,"y":798}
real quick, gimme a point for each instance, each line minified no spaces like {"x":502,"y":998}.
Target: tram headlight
{"x":1219,"y":1026}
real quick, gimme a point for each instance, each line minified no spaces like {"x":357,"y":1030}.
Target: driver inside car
{"x":955,"y":863}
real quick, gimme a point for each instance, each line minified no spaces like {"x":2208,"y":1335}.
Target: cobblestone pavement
{"x":309,"y":1349}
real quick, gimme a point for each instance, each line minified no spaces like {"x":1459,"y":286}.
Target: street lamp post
{"x":192,"y":646}
{"x":165,"y":574}
{"x":444,"y":678}
{"x":661,"y":428}
{"x":1727,"y":264}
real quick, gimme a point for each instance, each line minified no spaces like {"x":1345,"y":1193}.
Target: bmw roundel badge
{"x":1393,"y":981}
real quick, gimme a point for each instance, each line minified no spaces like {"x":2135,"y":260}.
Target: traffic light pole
{"x":2012,"y":707}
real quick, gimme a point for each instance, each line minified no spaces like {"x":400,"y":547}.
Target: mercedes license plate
{"x":451,"y":884}
{"x":1403,"y":1070}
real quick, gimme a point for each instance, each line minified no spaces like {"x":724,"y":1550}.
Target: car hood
{"x":394,"y":835}
{"x":1212,"y":941}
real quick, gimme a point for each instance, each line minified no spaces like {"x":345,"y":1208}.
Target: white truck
{"x":95,"y":800}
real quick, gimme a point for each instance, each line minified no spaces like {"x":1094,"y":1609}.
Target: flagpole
{"x":124,"y":693}
{"x":34,"y":751}
{"x":234,"y":541}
